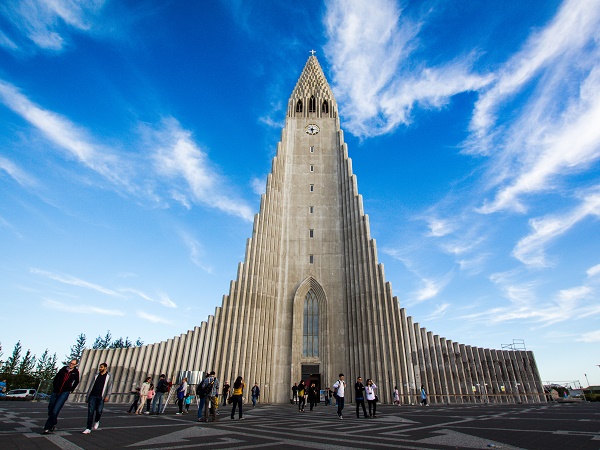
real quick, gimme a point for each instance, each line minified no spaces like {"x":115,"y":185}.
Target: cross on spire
{"x":312,"y":52}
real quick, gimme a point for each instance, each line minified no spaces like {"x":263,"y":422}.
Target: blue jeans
{"x":201,"y":407}
{"x":158,"y":397}
{"x":254,"y":399}
{"x":56,"y":403}
{"x":340,"y":405}
{"x":95,"y":406}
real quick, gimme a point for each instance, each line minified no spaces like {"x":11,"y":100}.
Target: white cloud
{"x":6,"y":42}
{"x":258,"y":185}
{"x":166,"y":301}
{"x":530,"y":249}
{"x":177,"y":156}
{"x":439,"y":227}
{"x":431,"y":288}
{"x":16,"y":173}
{"x":73,"y":281}
{"x":593,"y":271}
{"x":153,"y":318}
{"x":592,"y":336}
{"x":375,"y":83}
{"x":195,"y":249}
{"x":81,"y":309}
{"x":65,"y":134}
{"x":43,"y":21}
{"x":439,"y":312}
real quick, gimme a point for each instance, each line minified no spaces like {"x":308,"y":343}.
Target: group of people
{"x":100,"y":389}
{"x":302,"y":390}
{"x":97,"y":393}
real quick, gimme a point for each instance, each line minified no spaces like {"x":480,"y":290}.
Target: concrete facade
{"x":311,"y":297}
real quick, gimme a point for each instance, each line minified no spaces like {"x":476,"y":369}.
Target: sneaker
{"x":87,"y":431}
{"x":96,"y":425}
{"x":146,"y":413}
{"x":242,"y":418}
{"x":341,"y":417}
{"x":177,"y":414}
{"x":46,"y":432}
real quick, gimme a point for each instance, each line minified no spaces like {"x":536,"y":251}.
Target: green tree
{"x":26,"y":364}
{"x":46,"y":366}
{"x":11,"y":364}
{"x":76,"y":349}
{"x":103,"y":342}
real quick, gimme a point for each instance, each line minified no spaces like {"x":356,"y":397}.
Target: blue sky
{"x":136,"y":137}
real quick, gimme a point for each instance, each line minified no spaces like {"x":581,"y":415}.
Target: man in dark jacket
{"x":65,"y":382}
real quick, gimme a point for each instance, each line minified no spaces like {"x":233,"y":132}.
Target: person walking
{"x":188,"y":401}
{"x":149,"y":398}
{"x":359,"y":397}
{"x":144,"y":389}
{"x":371,"y":397}
{"x":64,"y":382}
{"x":225,"y":393}
{"x":181,"y":393}
{"x":255,"y":394}
{"x":424,"y":396}
{"x":211,"y":396}
{"x":236,"y":397}
{"x":200,"y":392}
{"x":161,"y":388}
{"x":339,"y":389}
{"x":136,"y":400}
{"x":313,"y":395}
{"x":396,"y":396}
{"x":301,"y":396}
{"x":295,"y":393}
{"x":97,"y":394}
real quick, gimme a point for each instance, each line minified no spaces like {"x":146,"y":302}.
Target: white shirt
{"x":341,"y":387}
{"x":370,"y":390}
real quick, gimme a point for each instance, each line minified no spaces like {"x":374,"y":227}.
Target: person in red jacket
{"x":65,"y":382}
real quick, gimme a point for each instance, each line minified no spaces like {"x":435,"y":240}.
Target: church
{"x":310,"y":299}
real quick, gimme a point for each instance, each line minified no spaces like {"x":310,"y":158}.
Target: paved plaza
{"x":548,"y":426}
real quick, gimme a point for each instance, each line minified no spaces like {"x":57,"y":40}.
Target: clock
{"x":312,"y":129}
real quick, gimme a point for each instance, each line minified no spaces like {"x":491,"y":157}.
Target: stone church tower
{"x":310,"y":299}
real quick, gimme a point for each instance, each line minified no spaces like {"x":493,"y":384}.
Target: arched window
{"x":312,"y":104}
{"x":299,"y":106}
{"x":325,"y":107}
{"x":310,"y":334}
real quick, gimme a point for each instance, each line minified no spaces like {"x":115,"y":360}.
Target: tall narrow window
{"x":312,"y":148}
{"x":312,"y":104}
{"x":311,"y":209}
{"x":312,"y":188}
{"x":311,"y":233}
{"x":311,"y":259}
{"x":310,"y":332}
{"x":299,"y":106}
{"x":312,"y":168}
{"x":325,"y":107}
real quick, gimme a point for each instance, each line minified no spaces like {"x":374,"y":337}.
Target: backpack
{"x":200,"y":390}
{"x":162,"y":386}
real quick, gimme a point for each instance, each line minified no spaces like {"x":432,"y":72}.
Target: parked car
{"x":26,"y":394}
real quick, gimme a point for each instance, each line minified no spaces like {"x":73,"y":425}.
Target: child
{"x":149,"y":398}
{"x":188,"y":401}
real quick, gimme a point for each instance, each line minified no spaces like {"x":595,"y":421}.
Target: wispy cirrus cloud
{"x":369,"y":47}
{"x":154,"y":318}
{"x":178,"y":158}
{"x":74,"y":140}
{"x":80,"y":309}
{"x":552,"y":133}
{"x":46,"y":23}
{"x":592,"y":336}
{"x":74,"y":281}
{"x":15,"y":172}
{"x":530,"y":249}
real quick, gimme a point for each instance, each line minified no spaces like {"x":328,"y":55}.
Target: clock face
{"x":312,"y":129}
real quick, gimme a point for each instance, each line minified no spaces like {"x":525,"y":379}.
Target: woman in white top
{"x":371,"y":397}
{"x":396,"y":396}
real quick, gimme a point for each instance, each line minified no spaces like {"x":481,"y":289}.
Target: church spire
{"x":312,"y":93}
